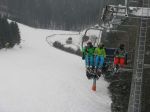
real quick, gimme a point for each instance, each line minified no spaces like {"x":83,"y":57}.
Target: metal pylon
{"x":136,"y":86}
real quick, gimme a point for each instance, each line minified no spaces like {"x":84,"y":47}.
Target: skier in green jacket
{"x":88,"y":54}
{"x":100,"y":54}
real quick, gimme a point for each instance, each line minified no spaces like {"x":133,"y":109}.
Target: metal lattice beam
{"x":136,"y":86}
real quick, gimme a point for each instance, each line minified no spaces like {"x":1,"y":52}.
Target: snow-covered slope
{"x":39,"y":78}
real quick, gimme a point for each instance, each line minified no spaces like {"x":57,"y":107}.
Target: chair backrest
{"x":110,"y":54}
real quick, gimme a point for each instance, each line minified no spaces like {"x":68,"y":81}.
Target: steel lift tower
{"x":136,"y":86}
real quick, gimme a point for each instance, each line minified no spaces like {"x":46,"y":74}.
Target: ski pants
{"x":120,"y":61}
{"x":99,"y":61}
{"x":89,"y":61}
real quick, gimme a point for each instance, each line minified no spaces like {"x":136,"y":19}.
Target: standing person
{"x":120,"y":56}
{"x":100,"y":54}
{"x":88,"y":54}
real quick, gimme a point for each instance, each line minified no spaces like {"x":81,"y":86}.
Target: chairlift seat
{"x":112,"y":12}
{"x":119,"y":10}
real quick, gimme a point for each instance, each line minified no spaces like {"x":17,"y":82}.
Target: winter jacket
{"x":100,"y":52}
{"x":88,"y":51}
{"x":120,"y":53}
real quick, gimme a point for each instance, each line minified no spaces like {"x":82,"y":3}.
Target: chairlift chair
{"x":113,"y":13}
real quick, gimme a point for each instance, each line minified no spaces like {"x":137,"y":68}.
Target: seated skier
{"x":88,"y":54}
{"x":100,"y":55}
{"x":120,"y":57}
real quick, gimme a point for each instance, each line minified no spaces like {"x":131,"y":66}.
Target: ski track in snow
{"x":39,"y":78}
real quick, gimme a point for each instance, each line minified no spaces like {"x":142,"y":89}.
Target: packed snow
{"x":36,"y":77}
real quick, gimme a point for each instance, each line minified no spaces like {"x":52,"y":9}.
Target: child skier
{"x":120,"y":56}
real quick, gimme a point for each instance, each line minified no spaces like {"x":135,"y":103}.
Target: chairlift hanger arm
{"x":126,"y":3}
{"x":100,"y":29}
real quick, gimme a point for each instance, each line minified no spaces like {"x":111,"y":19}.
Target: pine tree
{"x":15,"y":33}
{"x":9,"y":33}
